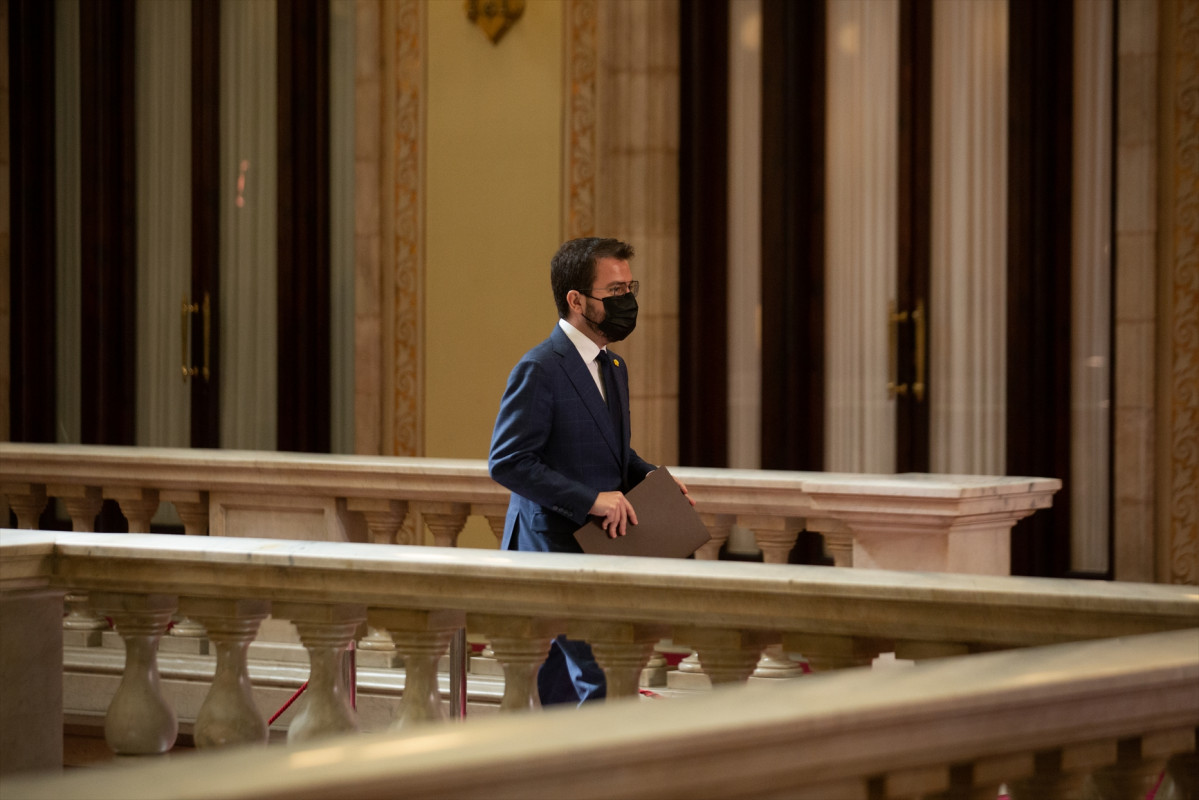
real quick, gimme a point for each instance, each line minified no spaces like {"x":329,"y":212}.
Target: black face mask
{"x":620,"y":317}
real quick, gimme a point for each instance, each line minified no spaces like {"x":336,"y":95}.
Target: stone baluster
{"x":81,"y":625}
{"x":1181,"y":781}
{"x":919,"y":650}
{"x":139,"y":719}
{"x":838,"y":539}
{"x":776,"y":664}
{"x":1062,"y":774}
{"x":912,"y":784}
{"x":421,"y":637}
{"x":727,"y":656}
{"x":520,"y":645}
{"x":622,"y":650}
{"x":1139,"y":763}
{"x":720,"y":526}
{"x":228,"y":715}
{"x":826,"y":652}
{"x":325,"y":631}
{"x":192,"y":507}
{"x":775,"y":536}
{"x":139,"y":505}
{"x":982,"y":779}
{"x":689,"y":675}
{"x":383,"y":516}
{"x":82,"y":502}
{"x":28,"y":501}
{"x":445,"y":521}
{"x":495,"y":514}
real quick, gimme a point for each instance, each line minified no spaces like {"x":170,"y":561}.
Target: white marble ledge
{"x":447,"y":479}
{"x":602,"y":573}
{"x":27,"y":560}
{"x":843,"y":725}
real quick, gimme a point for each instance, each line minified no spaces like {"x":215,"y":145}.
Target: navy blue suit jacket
{"x":555,"y":445}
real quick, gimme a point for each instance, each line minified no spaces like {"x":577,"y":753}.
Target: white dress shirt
{"x":588,"y":351}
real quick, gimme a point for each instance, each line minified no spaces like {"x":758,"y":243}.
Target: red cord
{"x":290,"y":700}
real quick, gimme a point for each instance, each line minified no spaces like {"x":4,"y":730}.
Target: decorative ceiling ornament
{"x":495,"y":17}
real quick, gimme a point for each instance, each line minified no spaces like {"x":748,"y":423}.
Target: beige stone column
{"x":727,"y":656}
{"x":720,"y":526}
{"x":83,"y":504}
{"x":520,"y":645}
{"x":139,"y":719}
{"x":445,"y":521}
{"x":81,"y":626}
{"x":192,"y":507}
{"x":421,"y":637}
{"x":1060,"y":774}
{"x":622,"y":650}
{"x":325,"y":631}
{"x":28,"y":501}
{"x":228,"y":715}
{"x":139,"y":505}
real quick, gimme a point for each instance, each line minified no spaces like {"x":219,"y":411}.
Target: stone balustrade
{"x":947,"y":523}
{"x":1102,"y":719}
{"x":729,"y":612}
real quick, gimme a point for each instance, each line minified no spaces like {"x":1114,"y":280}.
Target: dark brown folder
{"x":667,"y":526}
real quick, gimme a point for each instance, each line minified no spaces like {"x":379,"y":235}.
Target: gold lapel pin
{"x":616,"y":361}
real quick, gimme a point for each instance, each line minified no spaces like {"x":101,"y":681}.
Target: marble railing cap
{"x":675,"y":591}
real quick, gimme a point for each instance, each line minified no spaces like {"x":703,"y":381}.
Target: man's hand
{"x":683,"y":489}
{"x":616,"y":512}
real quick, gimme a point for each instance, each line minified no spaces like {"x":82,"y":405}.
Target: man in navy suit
{"x":561,"y":439}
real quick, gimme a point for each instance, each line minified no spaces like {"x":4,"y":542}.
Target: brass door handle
{"x":918,"y":318}
{"x":894,"y":318}
{"x":188,"y":309}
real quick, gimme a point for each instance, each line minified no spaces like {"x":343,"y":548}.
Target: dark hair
{"x":573,"y":266}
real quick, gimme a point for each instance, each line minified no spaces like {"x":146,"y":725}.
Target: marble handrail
{"x":991,"y":611}
{"x":908,"y":521}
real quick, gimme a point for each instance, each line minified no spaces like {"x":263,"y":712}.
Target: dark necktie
{"x":613,"y":395}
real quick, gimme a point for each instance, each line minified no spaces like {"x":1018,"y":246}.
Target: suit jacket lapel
{"x":580,"y":377}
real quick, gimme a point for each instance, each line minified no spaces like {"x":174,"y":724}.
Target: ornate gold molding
{"x":405,"y":131}
{"x":579,"y":147}
{"x":1182,"y":270}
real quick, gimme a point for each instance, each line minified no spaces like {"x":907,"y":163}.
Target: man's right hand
{"x":615,"y":512}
